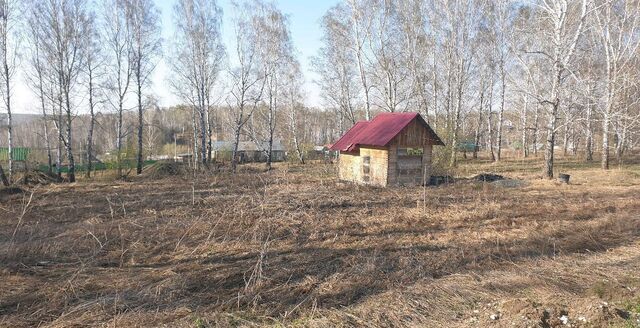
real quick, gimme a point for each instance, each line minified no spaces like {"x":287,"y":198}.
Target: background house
{"x":391,"y":149}
{"x":248,"y":151}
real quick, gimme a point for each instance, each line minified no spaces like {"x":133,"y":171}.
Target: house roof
{"x":380,"y":131}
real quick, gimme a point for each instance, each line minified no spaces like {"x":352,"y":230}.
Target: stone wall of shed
{"x":378,"y":166}
{"x":348,"y":164}
{"x":351,"y":168}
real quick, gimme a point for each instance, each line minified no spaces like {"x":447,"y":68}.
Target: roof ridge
{"x":377,"y":132}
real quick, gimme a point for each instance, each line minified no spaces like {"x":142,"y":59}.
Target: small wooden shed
{"x":392,"y":149}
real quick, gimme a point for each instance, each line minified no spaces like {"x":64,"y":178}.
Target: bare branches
{"x":63,"y":37}
{"x":118,"y":38}
{"x":197,"y":62}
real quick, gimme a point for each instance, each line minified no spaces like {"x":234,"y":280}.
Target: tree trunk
{"x":44,"y":117}
{"x":478,"y":133}
{"x":139,"y":159}
{"x":575,"y":140}
{"x":47,"y":142}
{"x":606,"y":123}
{"x":60,"y":143}
{"x":501,"y":113}
{"x":358,"y":52}
{"x":457,"y":118}
{"x":209,"y":130}
{"x":566,"y":137}
{"x":270,"y":153}
{"x":119,"y":138}
{"x":294,"y":129}
{"x":9,"y":116}
{"x":620,"y":146}
{"x":270,"y":141}
{"x":525,"y":148}
{"x":3,"y":177}
{"x":489,"y":122}
{"x":234,"y":153}
{"x":296,"y":144}
{"x":551,"y":135}
{"x":273,"y":107}
{"x":589,"y":139}
{"x":435,"y":92}
{"x":203,"y":134}
{"x":72,"y":165}
{"x":92,"y":122}
{"x":10,"y":137}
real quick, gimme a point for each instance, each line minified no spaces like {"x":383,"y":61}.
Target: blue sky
{"x":304,"y":19}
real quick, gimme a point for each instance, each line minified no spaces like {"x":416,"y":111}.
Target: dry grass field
{"x":295,"y":247}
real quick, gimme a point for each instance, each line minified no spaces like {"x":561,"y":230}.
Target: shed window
{"x":366,"y":164}
{"x":410,"y":151}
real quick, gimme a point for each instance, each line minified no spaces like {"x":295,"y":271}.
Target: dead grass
{"x":296,"y":247}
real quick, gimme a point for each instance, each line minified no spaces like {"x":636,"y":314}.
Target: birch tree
{"x":248,"y":80}
{"x":391,"y":57}
{"x":39,"y":83}
{"x":339,"y":80}
{"x":561,"y":26}
{"x":63,"y":34}
{"x":144,"y":25}
{"x":458,"y":32}
{"x":92,"y":72}
{"x":118,"y":49}
{"x":275,"y":55}
{"x":9,"y":11}
{"x":418,"y":47}
{"x":501,"y":25}
{"x":293,"y":95}
{"x":198,"y":60}
{"x":359,"y":26}
{"x":617,"y":25}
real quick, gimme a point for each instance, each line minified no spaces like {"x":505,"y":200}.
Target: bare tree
{"x":248,"y":80}
{"x":198,"y":61}
{"x":94,"y":62}
{"x":118,"y":41}
{"x":143,"y":20}
{"x":359,"y":27}
{"x":38,"y":81}
{"x":501,"y":25}
{"x":292,"y":83}
{"x":63,"y":36}
{"x":275,"y":55}
{"x":617,"y":24}
{"x":481,"y":102}
{"x":418,"y":47}
{"x":457,"y":27}
{"x":8,"y":45}
{"x":391,"y":71}
{"x":561,"y":24}
{"x":334,"y":63}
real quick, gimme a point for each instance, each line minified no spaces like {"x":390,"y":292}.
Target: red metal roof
{"x":348,"y":139}
{"x":379,"y":131}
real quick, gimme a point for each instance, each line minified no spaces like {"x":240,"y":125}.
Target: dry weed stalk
{"x":25,"y":208}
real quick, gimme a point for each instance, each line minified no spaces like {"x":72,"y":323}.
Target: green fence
{"x":466,"y":146}
{"x":126,"y":164}
{"x":19,"y":153}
